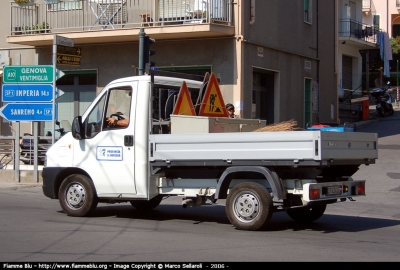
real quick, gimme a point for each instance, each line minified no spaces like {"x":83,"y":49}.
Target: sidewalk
{"x":373,"y":115}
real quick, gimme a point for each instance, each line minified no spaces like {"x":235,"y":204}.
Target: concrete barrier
{"x":25,"y":176}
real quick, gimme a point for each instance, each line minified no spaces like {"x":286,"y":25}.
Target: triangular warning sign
{"x":201,"y":92}
{"x":184,"y":104}
{"x":213,"y":104}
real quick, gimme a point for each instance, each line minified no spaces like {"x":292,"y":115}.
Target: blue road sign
{"x":27,"y":111}
{"x":27,"y":93}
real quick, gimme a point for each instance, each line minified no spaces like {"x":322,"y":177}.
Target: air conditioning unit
{"x":307,"y":65}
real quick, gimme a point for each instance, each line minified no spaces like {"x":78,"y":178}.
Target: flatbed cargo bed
{"x":282,"y":148}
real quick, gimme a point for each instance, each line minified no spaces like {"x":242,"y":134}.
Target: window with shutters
{"x":376,"y":21}
{"x":347,"y":72}
{"x":307,"y":11}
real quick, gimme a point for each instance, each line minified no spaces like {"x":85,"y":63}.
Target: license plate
{"x":334,"y":190}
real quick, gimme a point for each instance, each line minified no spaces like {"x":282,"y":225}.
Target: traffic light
{"x":148,"y":52}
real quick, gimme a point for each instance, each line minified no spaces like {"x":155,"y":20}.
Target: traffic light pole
{"x":142,"y":34}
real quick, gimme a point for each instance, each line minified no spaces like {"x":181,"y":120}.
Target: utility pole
{"x":142,"y":34}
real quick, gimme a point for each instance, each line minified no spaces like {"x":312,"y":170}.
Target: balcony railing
{"x":357,"y":30}
{"x":90,"y":15}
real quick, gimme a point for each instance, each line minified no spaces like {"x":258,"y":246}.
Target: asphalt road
{"x":33,"y":228}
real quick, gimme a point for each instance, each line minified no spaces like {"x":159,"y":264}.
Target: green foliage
{"x":395,"y":43}
{"x":21,"y":1}
{"x":37,"y":28}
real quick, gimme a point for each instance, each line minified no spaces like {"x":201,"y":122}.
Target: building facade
{"x":275,"y":60}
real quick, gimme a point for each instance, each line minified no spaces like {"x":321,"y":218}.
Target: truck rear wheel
{"x":77,"y":196}
{"x":306,"y":214}
{"x":249,"y":206}
{"x":147,"y":205}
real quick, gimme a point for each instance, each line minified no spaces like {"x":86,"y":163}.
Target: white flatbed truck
{"x":258,"y":173}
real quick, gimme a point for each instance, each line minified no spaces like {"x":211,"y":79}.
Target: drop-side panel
{"x":290,"y":145}
{"x":349,"y":145}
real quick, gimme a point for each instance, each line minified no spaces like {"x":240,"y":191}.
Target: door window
{"x":94,"y":120}
{"x":118,"y":108}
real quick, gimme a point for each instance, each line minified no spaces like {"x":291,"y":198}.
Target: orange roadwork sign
{"x":201,"y":92}
{"x":213,"y":103}
{"x":184,"y":104}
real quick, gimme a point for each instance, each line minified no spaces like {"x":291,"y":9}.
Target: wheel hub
{"x":75,"y":196}
{"x":246,"y":207}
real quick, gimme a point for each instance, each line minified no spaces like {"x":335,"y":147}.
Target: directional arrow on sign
{"x":59,"y":93}
{"x":27,"y":111}
{"x":59,"y":74}
{"x":72,"y":51}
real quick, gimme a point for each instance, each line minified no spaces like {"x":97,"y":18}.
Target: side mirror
{"x":77,"y":128}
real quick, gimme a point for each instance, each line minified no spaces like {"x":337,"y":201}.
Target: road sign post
{"x":54,"y":88}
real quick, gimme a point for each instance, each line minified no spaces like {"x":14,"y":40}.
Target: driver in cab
{"x":112,"y":122}
{"x":120,"y":121}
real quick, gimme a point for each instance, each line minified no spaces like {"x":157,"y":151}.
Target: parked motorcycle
{"x":383,"y":100}
{"x":27,"y":149}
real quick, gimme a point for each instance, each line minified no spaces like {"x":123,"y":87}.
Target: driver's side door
{"x":105,"y":155}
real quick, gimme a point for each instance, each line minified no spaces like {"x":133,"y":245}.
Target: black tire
{"x":306,"y":214}
{"x":391,"y":112}
{"x":77,"y":196}
{"x":147,"y":205}
{"x":381,"y":113}
{"x":249,"y":206}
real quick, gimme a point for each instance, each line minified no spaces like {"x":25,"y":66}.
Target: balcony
{"x":106,"y":21}
{"x":366,"y":6}
{"x":358,"y":34}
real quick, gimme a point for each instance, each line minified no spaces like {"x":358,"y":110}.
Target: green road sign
{"x":28,"y":74}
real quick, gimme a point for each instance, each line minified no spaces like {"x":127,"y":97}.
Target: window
{"x":307,"y":101}
{"x":94,"y":121}
{"x":307,"y":11}
{"x":376,"y":21}
{"x":119,"y":105}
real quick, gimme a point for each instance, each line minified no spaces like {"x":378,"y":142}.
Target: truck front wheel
{"x":306,"y":214}
{"x":249,"y":206}
{"x":77,"y":196}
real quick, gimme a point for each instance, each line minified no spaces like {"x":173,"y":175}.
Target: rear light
{"x":345,"y":189}
{"x":314,"y":194}
{"x":360,"y":190}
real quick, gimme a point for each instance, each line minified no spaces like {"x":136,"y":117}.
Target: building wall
{"x":327,"y":55}
{"x":120,"y":60}
{"x":288,"y":42}
{"x":18,"y":55}
{"x":279,"y":29}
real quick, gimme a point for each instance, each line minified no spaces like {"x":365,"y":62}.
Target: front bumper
{"x":50,"y":175}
